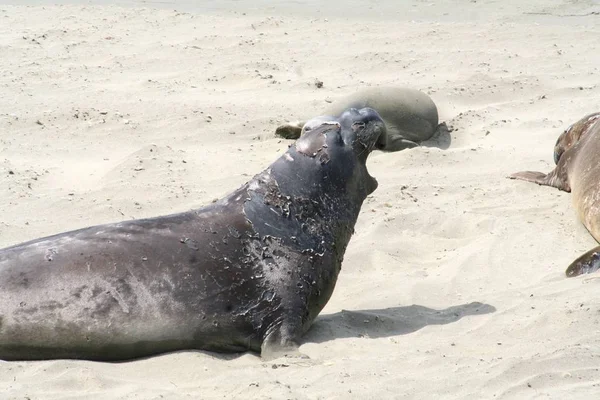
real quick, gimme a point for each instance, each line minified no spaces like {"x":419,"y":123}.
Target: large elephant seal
{"x":249,"y":272}
{"x":578,"y":171}
{"x":410,"y":115}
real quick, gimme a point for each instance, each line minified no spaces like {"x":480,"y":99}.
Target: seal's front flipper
{"x":530,"y":176}
{"x":542,"y":179}
{"x":270,"y":353}
{"x":585,"y":264}
{"x":291,"y":130}
{"x":280,"y":343}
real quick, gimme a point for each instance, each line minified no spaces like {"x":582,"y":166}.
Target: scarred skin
{"x":577,"y":171}
{"x":249,"y":272}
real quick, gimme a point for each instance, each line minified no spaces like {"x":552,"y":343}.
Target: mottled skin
{"x":410,"y":115}
{"x":578,"y":171}
{"x":250,"y":272}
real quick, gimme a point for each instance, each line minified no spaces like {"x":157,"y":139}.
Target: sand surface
{"x":453,"y":286}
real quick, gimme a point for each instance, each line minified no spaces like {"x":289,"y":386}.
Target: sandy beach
{"x":453,"y":285}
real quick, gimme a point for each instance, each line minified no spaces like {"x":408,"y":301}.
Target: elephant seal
{"x":410,"y":115}
{"x":577,"y":171}
{"x":249,"y":272}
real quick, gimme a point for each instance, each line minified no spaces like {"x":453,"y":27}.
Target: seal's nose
{"x":353,"y":117}
{"x":363,"y":127}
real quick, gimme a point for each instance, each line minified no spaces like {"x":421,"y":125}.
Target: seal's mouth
{"x":360,"y":131}
{"x":364,"y":129}
{"x":346,"y":141}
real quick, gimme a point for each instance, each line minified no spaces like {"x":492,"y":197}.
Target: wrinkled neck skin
{"x":305,"y":208}
{"x":572,"y":135}
{"x":583,"y":178}
{"x":574,"y":149}
{"x":320,"y":200}
{"x":572,"y":152}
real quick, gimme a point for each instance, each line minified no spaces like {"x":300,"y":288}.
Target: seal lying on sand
{"x":578,"y":171}
{"x":410,"y":116}
{"x":250,"y":272}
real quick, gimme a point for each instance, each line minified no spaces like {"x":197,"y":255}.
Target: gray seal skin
{"x":410,"y":115}
{"x":249,"y":272}
{"x":577,"y":171}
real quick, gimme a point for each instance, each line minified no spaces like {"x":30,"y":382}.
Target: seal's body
{"x":250,"y":272}
{"x":410,"y":115}
{"x":578,"y":171}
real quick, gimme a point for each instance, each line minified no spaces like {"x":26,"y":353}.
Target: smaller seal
{"x":577,"y":171}
{"x":410,"y":116}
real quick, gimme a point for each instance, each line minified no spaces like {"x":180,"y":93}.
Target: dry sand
{"x":453,"y":285}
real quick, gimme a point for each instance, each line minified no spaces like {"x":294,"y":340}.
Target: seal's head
{"x":350,"y":114}
{"x":573,"y":134}
{"x":342,"y":145}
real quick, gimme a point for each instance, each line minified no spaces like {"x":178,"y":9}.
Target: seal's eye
{"x":357,"y":126}
{"x":558,"y":147}
{"x":557,"y":154}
